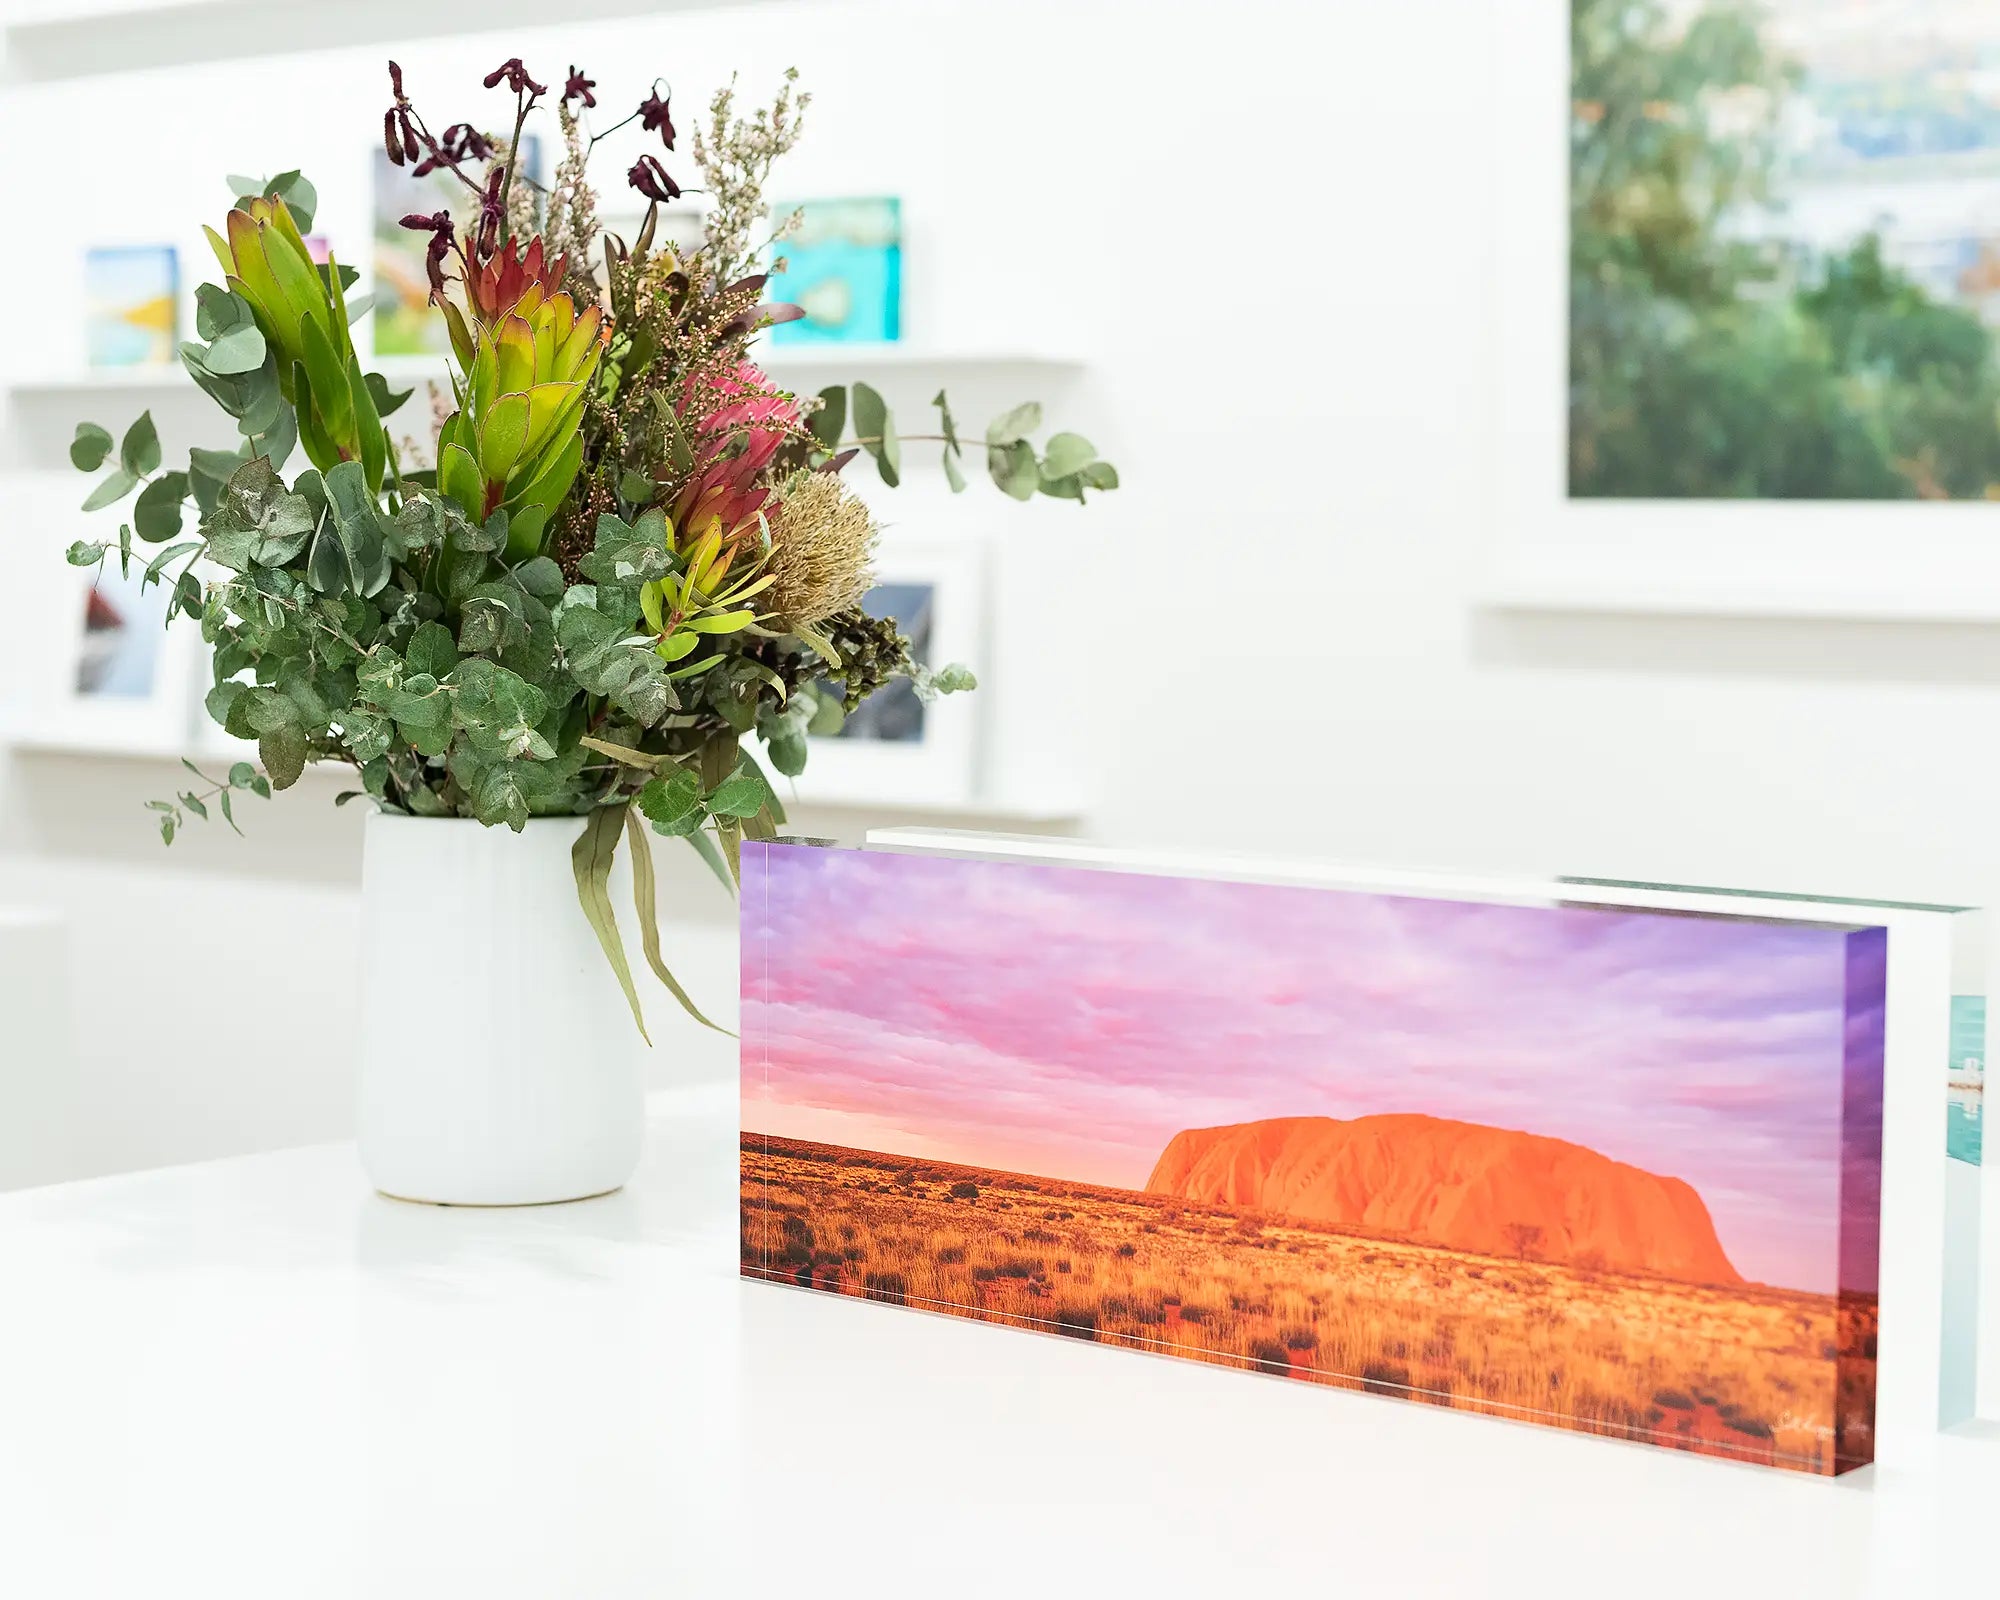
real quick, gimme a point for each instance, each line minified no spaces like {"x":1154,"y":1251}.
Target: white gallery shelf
{"x":818,"y":362}
{"x":33,"y":736}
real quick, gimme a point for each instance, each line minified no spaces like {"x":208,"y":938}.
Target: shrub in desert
{"x":1673,"y":1400}
{"x":1125,"y":1252}
{"x":951,"y":1255}
{"x":1062,"y":1266}
{"x":982,"y":1274}
{"x":1300,"y":1339}
{"x":1074,"y":1321}
{"x":797,"y":1247}
{"x":1017,"y":1267}
{"x":1267,"y":1355}
{"x":1385,"y":1377}
{"x":892,"y":1287}
{"x":963,"y":1191}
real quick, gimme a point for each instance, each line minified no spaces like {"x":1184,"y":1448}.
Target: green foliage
{"x":1703,"y":364}
{"x":561,"y":619}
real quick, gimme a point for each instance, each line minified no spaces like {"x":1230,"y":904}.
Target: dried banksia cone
{"x":822,"y":548}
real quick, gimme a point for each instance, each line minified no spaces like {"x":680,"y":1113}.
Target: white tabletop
{"x":255,"y":1378}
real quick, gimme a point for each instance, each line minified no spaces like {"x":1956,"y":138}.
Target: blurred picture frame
{"x":402,"y":321}
{"x":682,"y":225}
{"x":843,"y":266}
{"x":1547,"y":551}
{"x":95,"y":667}
{"x":133,"y":295}
{"x":897,"y":749}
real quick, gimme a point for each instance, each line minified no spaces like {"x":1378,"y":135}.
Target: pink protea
{"x":734,"y":444}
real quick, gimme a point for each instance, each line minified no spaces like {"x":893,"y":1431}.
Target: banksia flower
{"x":822,"y":548}
{"x":302,"y":314}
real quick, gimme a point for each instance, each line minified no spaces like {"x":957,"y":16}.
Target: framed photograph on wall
{"x":898,"y":748}
{"x":1748,"y":285}
{"x":94,"y":665}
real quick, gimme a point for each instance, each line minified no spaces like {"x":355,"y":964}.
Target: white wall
{"x":1265,"y":227}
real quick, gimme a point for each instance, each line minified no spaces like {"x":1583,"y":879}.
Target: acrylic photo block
{"x":1608,"y":1169}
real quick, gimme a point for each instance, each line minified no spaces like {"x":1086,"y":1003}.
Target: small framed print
{"x":896,"y":747}
{"x":96,"y":666}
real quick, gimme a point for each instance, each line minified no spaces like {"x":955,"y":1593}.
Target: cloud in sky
{"x":1068,"y":1022}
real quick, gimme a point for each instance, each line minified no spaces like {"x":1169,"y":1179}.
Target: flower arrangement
{"x":621,"y":550}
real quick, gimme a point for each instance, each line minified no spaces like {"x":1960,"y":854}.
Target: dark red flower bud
{"x":462,"y":139}
{"x":391,"y":141}
{"x":516,"y":77}
{"x":655,"y":116}
{"x":396,"y":80}
{"x":579,"y":87}
{"x":652,"y":180}
{"x":412,"y":147}
{"x":490,"y":214}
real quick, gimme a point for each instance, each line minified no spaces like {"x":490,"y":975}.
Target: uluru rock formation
{"x":1459,"y":1185}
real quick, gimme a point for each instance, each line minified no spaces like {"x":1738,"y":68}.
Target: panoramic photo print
{"x":1617,"y":1171}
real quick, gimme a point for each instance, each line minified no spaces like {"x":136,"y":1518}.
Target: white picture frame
{"x":874,"y":761}
{"x":72,"y":686}
{"x":1828,"y":559}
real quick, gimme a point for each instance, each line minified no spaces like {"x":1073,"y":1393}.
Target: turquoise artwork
{"x":133,"y":295}
{"x":844,"y":267}
{"x":1966,"y":1091}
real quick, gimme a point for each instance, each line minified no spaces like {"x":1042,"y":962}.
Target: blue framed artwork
{"x":844,"y":266}
{"x":133,"y":294}
{"x":1967,"y":1091}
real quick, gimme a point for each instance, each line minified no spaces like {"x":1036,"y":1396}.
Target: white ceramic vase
{"x":499,"y":1062}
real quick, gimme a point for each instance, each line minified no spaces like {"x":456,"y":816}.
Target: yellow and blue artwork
{"x":844,"y":267}
{"x":133,"y":294}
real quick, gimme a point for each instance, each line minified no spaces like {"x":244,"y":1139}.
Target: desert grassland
{"x":1749,"y":1373}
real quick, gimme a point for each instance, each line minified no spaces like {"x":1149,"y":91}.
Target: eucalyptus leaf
{"x":283,"y":752}
{"x":645,"y":902}
{"x":705,"y":847}
{"x":590,"y":862}
{"x":1014,"y":425}
{"x":830,"y":421}
{"x":1067,"y":454}
{"x":239,"y":350}
{"x":87,"y":451}
{"x":156,"y":514}
{"x":115,"y":486}
{"x":139,"y":450}
{"x":875,"y":428}
{"x":671,"y":802}
{"x":386,"y":399}
{"x":1014,"y":468}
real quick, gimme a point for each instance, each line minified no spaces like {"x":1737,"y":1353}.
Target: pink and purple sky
{"x":1069,"y":1022}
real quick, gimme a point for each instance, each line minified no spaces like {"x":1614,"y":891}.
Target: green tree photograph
{"x":1784,"y":250}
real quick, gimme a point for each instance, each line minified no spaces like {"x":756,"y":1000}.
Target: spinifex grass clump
{"x":622,"y":551}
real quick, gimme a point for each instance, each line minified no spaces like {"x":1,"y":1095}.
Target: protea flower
{"x":529,"y":356}
{"x":701,"y":600}
{"x":303,"y":317}
{"x":734,"y":445}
